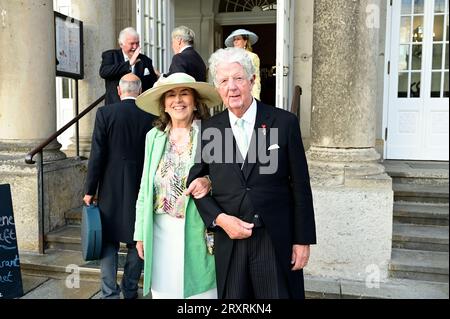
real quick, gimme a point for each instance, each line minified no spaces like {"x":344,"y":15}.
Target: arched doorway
{"x":258,"y":16}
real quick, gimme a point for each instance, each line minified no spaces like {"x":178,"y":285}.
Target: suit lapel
{"x":260,"y":136}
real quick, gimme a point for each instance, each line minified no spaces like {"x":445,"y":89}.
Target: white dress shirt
{"x":249,"y":118}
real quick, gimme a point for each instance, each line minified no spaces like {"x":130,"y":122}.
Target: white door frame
{"x":391,"y":89}
{"x":285,"y":53}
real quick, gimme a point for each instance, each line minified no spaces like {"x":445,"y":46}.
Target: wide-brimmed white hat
{"x":149,"y":100}
{"x":252,"y":37}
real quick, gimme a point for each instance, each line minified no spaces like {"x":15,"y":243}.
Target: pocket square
{"x":273,"y":147}
{"x":146,"y":72}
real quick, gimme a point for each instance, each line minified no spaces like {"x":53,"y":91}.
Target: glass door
{"x":418,"y":90}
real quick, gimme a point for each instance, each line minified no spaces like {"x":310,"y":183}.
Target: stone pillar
{"x":352,"y":194}
{"x":27,"y":82}
{"x":98,"y":18}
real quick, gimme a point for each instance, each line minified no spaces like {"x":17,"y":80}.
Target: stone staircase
{"x":63,"y":253}
{"x":420,"y":241}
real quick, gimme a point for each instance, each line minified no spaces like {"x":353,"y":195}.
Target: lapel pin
{"x":264,"y":131}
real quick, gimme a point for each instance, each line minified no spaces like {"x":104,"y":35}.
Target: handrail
{"x":30,"y":155}
{"x":295,"y":106}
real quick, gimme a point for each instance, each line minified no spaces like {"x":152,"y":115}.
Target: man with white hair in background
{"x":127,"y":59}
{"x":186,"y":59}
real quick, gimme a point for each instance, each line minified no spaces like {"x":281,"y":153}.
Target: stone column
{"x":353,"y":195}
{"x":27,"y":81}
{"x":98,"y":18}
{"x":344,"y":84}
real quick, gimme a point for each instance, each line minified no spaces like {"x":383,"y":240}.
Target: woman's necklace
{"x":180,"y":144}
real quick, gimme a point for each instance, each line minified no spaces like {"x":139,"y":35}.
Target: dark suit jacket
{"x":283,"y":199}
{"x":190,"y":62}
{"x":114,"y":67}
{"x":115,"y":166}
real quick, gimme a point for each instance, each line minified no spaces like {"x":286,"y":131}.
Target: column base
{"x":85,"y":147}
{"x":353,"y":204}
{"x":16,"y":150}
{"x":333,"y":166}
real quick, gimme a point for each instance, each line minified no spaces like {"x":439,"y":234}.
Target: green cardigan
{"x":199,"y":268}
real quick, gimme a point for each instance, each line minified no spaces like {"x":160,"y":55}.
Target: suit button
{"x":248,"y":189}
{"x":256,"y":216}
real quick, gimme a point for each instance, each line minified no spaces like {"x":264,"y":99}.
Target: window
{"x":227,"y":6}
{"x":153,"y":24}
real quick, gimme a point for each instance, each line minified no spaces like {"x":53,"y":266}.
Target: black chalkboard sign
{"x":10,"y":276}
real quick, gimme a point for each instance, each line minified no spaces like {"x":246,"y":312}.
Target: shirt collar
{"x":125,"y":57}
{"x":249,"y":116}
{"x":129,"y":98}
{"x":184,"y":48}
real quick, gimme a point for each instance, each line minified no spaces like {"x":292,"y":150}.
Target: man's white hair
{"x":125,"y":32}
{"x":184,"y":33}
{"x":231,"y":55}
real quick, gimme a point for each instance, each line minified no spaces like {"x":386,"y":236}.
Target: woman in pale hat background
{"x":169,"y":231}
{"x":244,"y":39}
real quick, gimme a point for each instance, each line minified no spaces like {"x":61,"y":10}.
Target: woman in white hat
{"x":244,"y":39}
{"x":169,"y":231}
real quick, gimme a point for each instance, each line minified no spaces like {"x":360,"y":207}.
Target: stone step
{"x":415,"y":237}
{"x":421,"y":213}
{"x":69,"y":238}
{"x":60,"y":264}
{"x":73,"y":216}
{"x":418,"y":172}
{"x":419,"y":265}
{"x":421,"y":193}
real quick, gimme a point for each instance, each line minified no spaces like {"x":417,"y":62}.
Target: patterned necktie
{"x":241,"y":138}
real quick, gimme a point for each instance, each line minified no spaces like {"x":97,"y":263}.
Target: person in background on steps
{"x":114,"y":172}
{"x":245,"y":39}
{"x":127,"y":59}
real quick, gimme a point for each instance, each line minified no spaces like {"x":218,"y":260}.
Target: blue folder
{"x":91,"y":233}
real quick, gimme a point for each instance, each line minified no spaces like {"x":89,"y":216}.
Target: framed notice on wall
{"x":69,"y":46}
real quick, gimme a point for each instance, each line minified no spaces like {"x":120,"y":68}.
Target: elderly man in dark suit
{"x":186,"y":59}
{"x":261,"y":205}
{"x":127,"y":59}
{"x":115,"y":169}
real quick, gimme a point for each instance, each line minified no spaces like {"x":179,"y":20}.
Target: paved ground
{"x":36,"y":287}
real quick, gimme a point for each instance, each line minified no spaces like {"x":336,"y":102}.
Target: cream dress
{"x":169,"y":226}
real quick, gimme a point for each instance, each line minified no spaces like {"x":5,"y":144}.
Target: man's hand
{"x":199,"y":188}
{"x":300,"y":256}
{"x":234,"y":227}
{"x":140,"y":249}
{"x":89,"y":199}
{"x":134,"y":58}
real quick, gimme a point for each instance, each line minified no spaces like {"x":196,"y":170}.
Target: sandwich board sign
{"x":10,"y":275}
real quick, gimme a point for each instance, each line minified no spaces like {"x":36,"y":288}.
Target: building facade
{"x":374,"y":76}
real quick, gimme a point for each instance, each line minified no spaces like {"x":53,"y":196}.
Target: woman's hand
{"x":199,"y":188}
{"x":140,"y":249}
